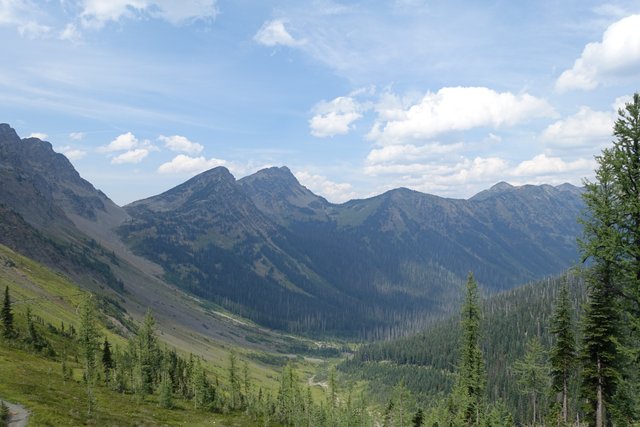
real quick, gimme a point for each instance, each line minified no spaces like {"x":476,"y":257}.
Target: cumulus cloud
{"x":73,"y":153}
{"x":586,"y":128}
{"x":126,"y":141}
{"x":410,"y":153}
{"x":617,"y":55}
{"x":39,"y":135}
{"x":191,"y":165}
{"x":274,"y":33}
{"x":21,"y":15}
{"x":134,"y":150}
{"x":76,"y":136}
{"x":180,"y":144}
{"x":543,"y":165}
{"x":132,"y":156}
{"x":70,"y":33}
{"x":456,"y":109}
{"x":96,"y":13}
{"x":334,"y":117}
{"x":333,"y":191}
{"x":33,"y":30}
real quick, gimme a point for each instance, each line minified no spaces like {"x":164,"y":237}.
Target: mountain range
{"x":266,"y":247}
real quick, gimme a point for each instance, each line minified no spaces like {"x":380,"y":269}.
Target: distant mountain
{"x":269,"y":248}
{"x":43,"y":204}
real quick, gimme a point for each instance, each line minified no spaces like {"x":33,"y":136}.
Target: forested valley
{"x":562,"y":351}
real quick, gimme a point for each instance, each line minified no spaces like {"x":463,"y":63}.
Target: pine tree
{"x":601,"y":321}
{"x":563,"y":351}
{"x":7,"y":316}
{"x":533,"y":375}
{"x":148,"y":363}
{"x":88,"y":340}
{"x":469,"y":388}
{"x":166,"y":391}
{"x":107,"y":360}
{"x":234,"y":381}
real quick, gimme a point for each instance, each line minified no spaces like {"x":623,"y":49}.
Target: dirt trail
{"x":18,"y":415}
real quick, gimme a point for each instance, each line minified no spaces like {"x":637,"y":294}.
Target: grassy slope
{"x":37,"y":382}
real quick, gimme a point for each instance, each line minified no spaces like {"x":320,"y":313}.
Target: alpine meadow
{"x":320,"y":214}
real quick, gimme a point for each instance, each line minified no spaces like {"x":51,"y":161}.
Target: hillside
{"x":426,"y":362}
{"x":267,"y":247}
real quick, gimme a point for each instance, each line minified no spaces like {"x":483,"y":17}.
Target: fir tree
{"x":166,"y":391}
{"x":88,"y":340}
{"x":234,"y":381}
{"x":147,"y":356}
{"x":7,"y":316}
{"x":533,"y":375}
{"x":601,"y":322}
{"x":563,"y":351}
{"x":107,"y":360}
{"x":469,"y":388}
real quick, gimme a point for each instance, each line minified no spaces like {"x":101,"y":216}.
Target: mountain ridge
{"x":267,"y":247}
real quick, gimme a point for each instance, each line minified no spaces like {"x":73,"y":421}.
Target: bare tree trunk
{"x":599,"y":406}
{"x":565,"y":404}
{"x":534,"y":409}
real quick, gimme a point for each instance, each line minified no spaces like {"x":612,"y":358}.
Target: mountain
{"x":51,"y":215}
{"x":267,"y":247}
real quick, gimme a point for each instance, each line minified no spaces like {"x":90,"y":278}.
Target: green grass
{"x":37,"y":382}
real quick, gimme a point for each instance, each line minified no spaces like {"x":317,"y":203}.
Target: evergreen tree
{"x":107,"y":360}
{"x":166,"y":391}
{"x":88,"y":340}
{"x":234,"y":382}
{"x":469,"y":388}
{"x":601,"y":322}
{"x":533,"y":375}
{"x":563,"y":351}
{"x":148,"y":363}
{"x":7,"y":316}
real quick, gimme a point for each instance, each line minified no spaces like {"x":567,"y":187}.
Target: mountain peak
{"x":8,"y":133}
{"x":501,"y":186}
{"x":280,"y":174}
{"x":278,"y":193}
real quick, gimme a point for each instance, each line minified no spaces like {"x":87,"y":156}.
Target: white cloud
{"x":132,"y":156}
{"x":39,"y":135}
{"x":73,"y":153}
{"x":126,"y":141}
{"x":410,"y":153}
{"x":332,"y":191}
{"x":21,"y":14}
{"x":180,"y":144}
{"x":70,"y":33}
{"x":96,"y":13}
{"x":11,"y":11}
{"x":33,"y":30}
{"x":586,"y":128}
{"x":617,"y":55}
{"x":191,"y":165}
{"x":455,"y":109}
{"x":77,"y":136}
{"x":274,"y":33}
{"x":334,"y":117}
{"x":134,"y":150}
{"x":542,"y":165}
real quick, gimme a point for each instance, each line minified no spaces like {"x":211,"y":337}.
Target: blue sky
{"x":445,"y":97}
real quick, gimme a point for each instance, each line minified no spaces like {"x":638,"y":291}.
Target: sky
{"x":355,"y":97}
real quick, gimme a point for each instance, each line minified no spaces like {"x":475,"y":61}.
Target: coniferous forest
{"x":563,"y":351}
